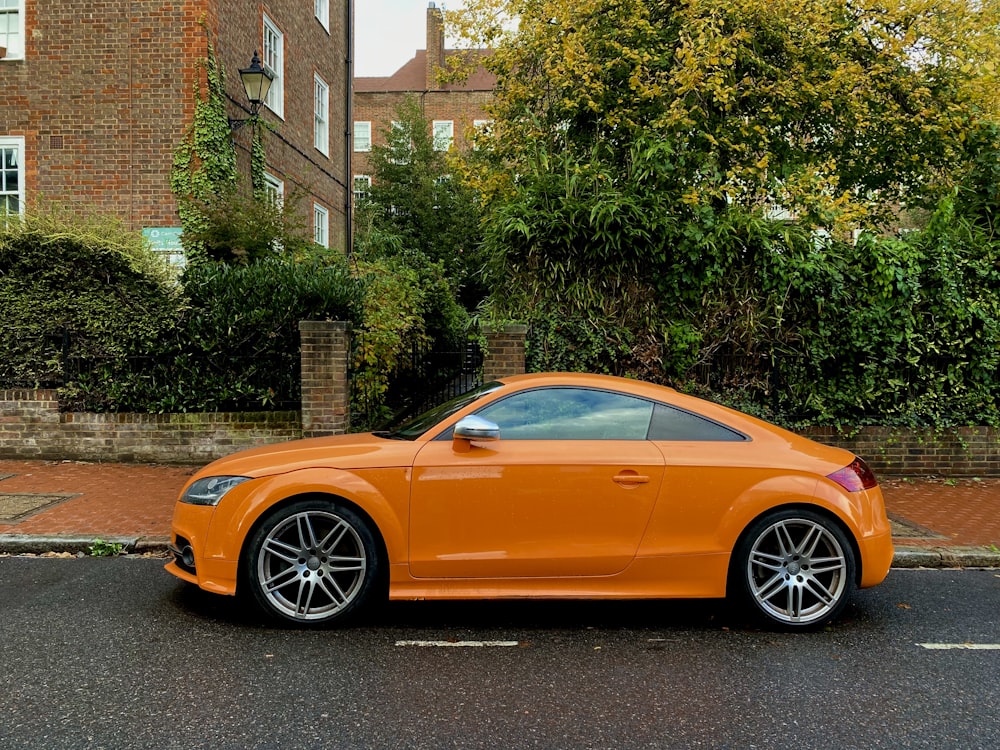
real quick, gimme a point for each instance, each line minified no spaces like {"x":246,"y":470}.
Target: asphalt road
{"x":114,"y":653}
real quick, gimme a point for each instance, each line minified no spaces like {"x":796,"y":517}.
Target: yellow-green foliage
{"x":832,"y":108}
{"x":393,"y":324}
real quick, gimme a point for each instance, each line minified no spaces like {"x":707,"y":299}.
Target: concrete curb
{"x":946,"y":557}
{"x":24,"y":544}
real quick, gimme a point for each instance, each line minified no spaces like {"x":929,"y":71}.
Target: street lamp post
{"x":256,"y":83}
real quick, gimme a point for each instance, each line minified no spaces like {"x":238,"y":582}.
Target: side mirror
{"x":476,"y":428}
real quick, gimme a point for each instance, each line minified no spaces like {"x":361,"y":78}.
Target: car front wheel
{"x":794,"y":568}
{"x":312,"y":562}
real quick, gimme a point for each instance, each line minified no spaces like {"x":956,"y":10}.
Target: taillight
{"x":856,"y":477}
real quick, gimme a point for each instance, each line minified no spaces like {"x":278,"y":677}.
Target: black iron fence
{"x":427,"y":376}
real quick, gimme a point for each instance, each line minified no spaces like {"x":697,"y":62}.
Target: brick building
{"x":97,"y":94}
{"x":454,"y":109}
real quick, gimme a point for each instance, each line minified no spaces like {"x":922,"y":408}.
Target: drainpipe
{"x":349,"y":133}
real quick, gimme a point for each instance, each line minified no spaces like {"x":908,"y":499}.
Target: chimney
{"x":435,"y":45}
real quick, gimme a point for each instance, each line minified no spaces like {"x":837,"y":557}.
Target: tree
{"x":418,"y":206}
{"x":645,"y":160}
{"x":834,"y":109}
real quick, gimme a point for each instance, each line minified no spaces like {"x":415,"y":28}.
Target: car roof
{"x":586,"y":379}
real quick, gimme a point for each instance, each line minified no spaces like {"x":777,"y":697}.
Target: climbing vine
{"x":258,"y":158}
{"x":205,"y":160}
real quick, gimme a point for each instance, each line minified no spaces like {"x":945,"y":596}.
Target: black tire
{"x":313,"y":562}
{"x":794,"y":569}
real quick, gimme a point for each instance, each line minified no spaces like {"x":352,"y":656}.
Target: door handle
{"x":630,"y":478}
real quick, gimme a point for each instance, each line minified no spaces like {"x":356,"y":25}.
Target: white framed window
{"x":274,"y":62}
{"x":362,"y":136}
{"x":321,"y":225}
{"x":444,"y":134}
{"x":11,"y":176}
{"x":362,"y":186}
{"x":321,"y":111}
{"x":323,"y":13}
{"x":274,"y":189}
{"x":12,"y":28}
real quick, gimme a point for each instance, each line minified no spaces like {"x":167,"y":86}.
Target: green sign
{"x":166,"y":240}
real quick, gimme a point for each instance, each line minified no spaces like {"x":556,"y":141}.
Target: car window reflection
{"x":570,"y":414}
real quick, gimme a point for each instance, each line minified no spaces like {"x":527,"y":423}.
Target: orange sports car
{"x":544,"y":485}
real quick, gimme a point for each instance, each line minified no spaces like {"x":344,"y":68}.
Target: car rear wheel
{"x":312,"y":562}
{"x":794,"y":569}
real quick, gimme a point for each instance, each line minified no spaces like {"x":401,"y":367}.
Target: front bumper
{"x":188,"y":543}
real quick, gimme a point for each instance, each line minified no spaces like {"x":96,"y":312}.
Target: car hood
{"x":359,"y":451}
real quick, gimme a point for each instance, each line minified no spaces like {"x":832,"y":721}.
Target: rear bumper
{"x":876,"y":558}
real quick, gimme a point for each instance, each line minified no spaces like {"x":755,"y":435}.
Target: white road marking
{"x":964,"y":646}
{"x":460,"y":644}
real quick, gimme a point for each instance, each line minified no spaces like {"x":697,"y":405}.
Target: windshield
{"x":417,"y":426}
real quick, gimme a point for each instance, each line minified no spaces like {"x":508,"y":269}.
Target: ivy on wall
{"x":204,"y":167}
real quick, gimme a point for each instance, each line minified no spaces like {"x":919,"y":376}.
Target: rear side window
{"x":679,"y":425}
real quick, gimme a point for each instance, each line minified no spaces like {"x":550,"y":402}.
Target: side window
{"x":362,"y":186}
{"x":443,"y":134}
{"x":570,"y":414}
{"x":11,"y":176}
{"x":274,"y":61}
{"x":274,"y":189}
{"x":323,"y":13}
{"x":12,"y":28}
{"x":362,"y":136}
{"x":321,"y":225}
{"x":679,"y":425}
{"x":321,"y":115}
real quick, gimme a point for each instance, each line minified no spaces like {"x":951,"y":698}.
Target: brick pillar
{"x":505,"y":352}
{"x":326,"y":393}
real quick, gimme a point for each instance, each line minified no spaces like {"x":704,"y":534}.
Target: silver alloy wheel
{"x":311,"y":565}
{"x":797,"y":571}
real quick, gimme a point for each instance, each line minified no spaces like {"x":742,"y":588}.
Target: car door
{"x":566,"y":491}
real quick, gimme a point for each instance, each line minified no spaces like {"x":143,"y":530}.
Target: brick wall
{"x":959,"y":451}
{"x":380,"y":107}
{"x":309,"y":50}
{"x":100,"y":97}
{"x":31,"y":426}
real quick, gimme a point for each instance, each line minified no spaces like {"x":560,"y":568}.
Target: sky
{"x":388,"y":32}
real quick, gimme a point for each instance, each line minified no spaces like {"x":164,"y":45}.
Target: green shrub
{"x":572,"y":343}
{"x":892,"y":330}
{"x":75,"y":287}
{"x":236,"y":345}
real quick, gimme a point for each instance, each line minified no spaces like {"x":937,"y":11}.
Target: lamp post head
{"x":256,"y":82}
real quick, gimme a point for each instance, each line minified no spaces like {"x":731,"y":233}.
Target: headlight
{"x":209,"y":491}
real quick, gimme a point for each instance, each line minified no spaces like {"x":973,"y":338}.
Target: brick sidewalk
{"x":136,"y":501}
{"x":965,"y":512}
{"x":128,"y":500}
